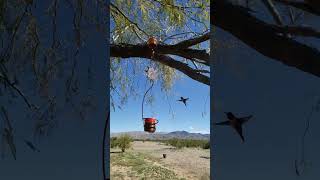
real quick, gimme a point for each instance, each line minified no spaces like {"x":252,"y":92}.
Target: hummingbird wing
{"x":223,"y":123}
{"x":245,"y":119}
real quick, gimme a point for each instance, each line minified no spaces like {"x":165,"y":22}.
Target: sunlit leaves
{"x":154,"y":17}
{"x":168,"y":75}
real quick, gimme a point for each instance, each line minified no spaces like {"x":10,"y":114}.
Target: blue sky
{"x":172,"y":115}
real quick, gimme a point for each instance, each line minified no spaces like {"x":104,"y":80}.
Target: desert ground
{"x":144,"y":160}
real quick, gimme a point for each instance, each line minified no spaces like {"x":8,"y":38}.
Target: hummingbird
{"x":184,"y":100}
{"x":235,"y":123}
{"x":147,"y":69}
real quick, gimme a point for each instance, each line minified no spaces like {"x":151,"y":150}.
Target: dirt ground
{"x":144,"y":161}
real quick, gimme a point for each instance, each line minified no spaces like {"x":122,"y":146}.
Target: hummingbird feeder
{"x":149,"y":123}
{"x":152,"y":42}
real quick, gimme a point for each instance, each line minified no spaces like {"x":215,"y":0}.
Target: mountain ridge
{"x":163,"y":135}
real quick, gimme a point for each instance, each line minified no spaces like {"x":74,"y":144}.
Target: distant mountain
{"x":163,"y":136}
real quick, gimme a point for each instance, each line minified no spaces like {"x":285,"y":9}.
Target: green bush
{"x":189,"y":143}
{"x":124,"y":142}
{"x":206,"y":145}
{"x":113,"y":142}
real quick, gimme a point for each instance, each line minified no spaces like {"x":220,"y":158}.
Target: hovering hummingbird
{"x":184,"y":100}
{"x":235,"y":123}
{"x":147,"y":69}
{"x":31,"y":146}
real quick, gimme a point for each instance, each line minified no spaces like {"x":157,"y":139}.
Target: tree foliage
{"x":123,"y":142}
{"x":188,"y":143}
{"x":171,"y":22}
{"x":113,"y":142}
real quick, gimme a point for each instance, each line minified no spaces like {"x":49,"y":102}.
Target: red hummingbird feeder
{"x":150,"y":124}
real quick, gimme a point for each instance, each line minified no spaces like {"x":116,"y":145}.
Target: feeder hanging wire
{"x":152,"y":83}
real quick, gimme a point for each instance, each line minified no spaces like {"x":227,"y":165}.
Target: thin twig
{"x":273,"y":10}
{"x":128,"y":19}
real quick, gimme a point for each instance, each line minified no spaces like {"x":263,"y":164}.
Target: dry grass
{"x":144,"y":161}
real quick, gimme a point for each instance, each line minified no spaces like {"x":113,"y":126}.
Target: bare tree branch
{"x":264,"y":37}
{"x":184,"y":68}
{"x":14,"y":87}
{"x":273,"y":10}
{"x":299,"y":31}
{"x":192,"y":42}
{"x":302,"y":5}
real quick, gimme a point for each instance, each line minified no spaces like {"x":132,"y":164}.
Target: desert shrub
{"x":188,"y":143}
{"x":124,"y":142}
{"x":206,"y":145}
{"x":113,"y":142}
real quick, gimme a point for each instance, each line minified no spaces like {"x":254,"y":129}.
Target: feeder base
{"x":150,"y":129}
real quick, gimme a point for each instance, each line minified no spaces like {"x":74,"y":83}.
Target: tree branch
{"x":184,"y":68}
{"x":298,"y":31}
{"x":143,"y":51}
{"x":128,"y":19}
{"x":274,"y":12}
{"x":265,"y":38}
{"x":14,"y":87}
{"x":301,"y":5}
{"x":192,"y":42}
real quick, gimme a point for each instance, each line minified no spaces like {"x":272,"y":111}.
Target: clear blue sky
{"x":193,"y":118}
